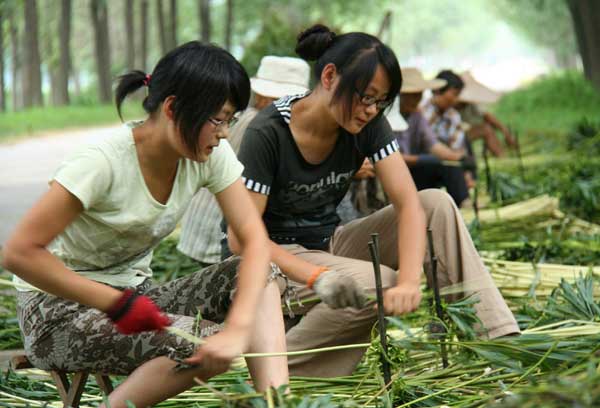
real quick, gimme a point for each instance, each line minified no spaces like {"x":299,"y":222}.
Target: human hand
{"x":339,"y":291}
{"x":218,"y":351}
{"x":366,"y":171}
{"x":401,"y":299}
{"x":134,"y":313}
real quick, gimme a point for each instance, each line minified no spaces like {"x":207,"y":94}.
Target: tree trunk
{"x":32,"y":85}
{"x":586,"y":21}
{"x":162,"y":34}
{"x":129,"y":41}
{"x":49,"y":57}
{"x":17,"y":94}
{"x":173,"y":25}
{"x":144,"y":35}
{"x":204,"y":17}
{"x":99,"y":15}
{"x":62,"y":83}
{"x":76,"y":80}
{"x":2,"y":86}
{"x":229,"y":25}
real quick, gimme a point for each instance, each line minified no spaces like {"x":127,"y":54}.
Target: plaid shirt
{"x":447,"y":125}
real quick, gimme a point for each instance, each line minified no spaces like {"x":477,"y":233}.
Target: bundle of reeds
{"x":543,"y":205}
{"x":518,"y":279}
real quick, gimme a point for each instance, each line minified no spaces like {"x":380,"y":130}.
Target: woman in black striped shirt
{"x":299,"y":156}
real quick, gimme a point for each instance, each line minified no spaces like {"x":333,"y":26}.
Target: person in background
{"x":81,"y":256}
{"x":482,"y":124}
{"x":421,"y":150}
{"x":299,"y":155}
{"x":201,"y":232}
{"x":443,"y":118}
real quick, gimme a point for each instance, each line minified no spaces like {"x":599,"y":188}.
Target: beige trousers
{"x":458,"y":261}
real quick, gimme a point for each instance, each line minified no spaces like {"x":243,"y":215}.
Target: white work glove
{"x":339,"y":291}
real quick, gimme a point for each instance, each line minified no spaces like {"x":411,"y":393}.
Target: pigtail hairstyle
{"x":201,"y":77}
{"x":127,"y":84}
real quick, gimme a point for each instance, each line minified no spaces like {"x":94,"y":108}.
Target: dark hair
{"x":453,"y":81}
{"x":202,"y":77}
{"x":355,"y":56}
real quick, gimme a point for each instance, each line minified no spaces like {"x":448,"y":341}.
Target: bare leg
{"x":153,"y":382}
{"x":268,"y":337}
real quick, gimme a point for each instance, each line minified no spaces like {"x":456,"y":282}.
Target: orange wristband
{"x":313,"y":277}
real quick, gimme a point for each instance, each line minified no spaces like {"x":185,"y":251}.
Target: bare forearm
{"x":443,"y":152}
{"x":252,"y":278}
{"x":43,"y":270}
{"x":294,"y":267}
{"x":411,"y":243}
{"x":494,"y":122}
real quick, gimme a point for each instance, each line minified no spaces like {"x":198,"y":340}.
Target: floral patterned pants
{"x":64,"y":335}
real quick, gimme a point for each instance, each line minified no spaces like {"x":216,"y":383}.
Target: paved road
{"x":26,"y":167}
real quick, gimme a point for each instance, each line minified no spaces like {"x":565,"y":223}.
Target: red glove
{"x":135,"y":313}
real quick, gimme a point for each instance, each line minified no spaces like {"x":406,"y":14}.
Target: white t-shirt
{"x":112,"y":240}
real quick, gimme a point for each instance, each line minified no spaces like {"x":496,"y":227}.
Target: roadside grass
{"x":32,"y":122}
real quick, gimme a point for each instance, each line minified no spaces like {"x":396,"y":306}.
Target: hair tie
{"x":147,"y":79}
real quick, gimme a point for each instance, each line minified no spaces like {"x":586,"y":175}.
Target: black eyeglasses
{"x":220,"y":122}
{"x":369,"y":100}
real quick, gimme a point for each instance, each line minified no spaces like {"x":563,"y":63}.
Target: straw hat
{"x":394,"y":117}
{"x":413,"y":81}
{"x":476,"y":92}
{"x":280,"y":76}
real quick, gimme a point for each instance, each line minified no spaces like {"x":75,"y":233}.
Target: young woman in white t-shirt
{"x":81,"y":255}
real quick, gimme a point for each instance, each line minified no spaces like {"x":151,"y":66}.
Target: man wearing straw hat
{"x":420,"y":147}
{"x":445,"y":120}
{"x":440,"y":113}
{"x":479,"y":123}
{"x":201,"y":226}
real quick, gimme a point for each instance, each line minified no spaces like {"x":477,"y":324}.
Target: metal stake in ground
{"x":374,"y":250}
{"x":518,"y":146}
{"x":436,"y":297}
{"x":476,"y":202}
{"x":488,"y":172}
{"x":477,"y":222}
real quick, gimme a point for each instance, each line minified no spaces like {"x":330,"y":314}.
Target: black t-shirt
{"x":302,"y":197}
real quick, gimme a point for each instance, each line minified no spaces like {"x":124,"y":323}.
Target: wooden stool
{"x":70,"y":393}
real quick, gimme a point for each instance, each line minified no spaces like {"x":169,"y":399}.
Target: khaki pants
{"x":458,"y":261}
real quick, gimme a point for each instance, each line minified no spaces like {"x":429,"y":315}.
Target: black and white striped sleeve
{"x":385,"y":151}
{"x":380,"y":141}
{"x":256,"y":186}
{"x":258,"y":155}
